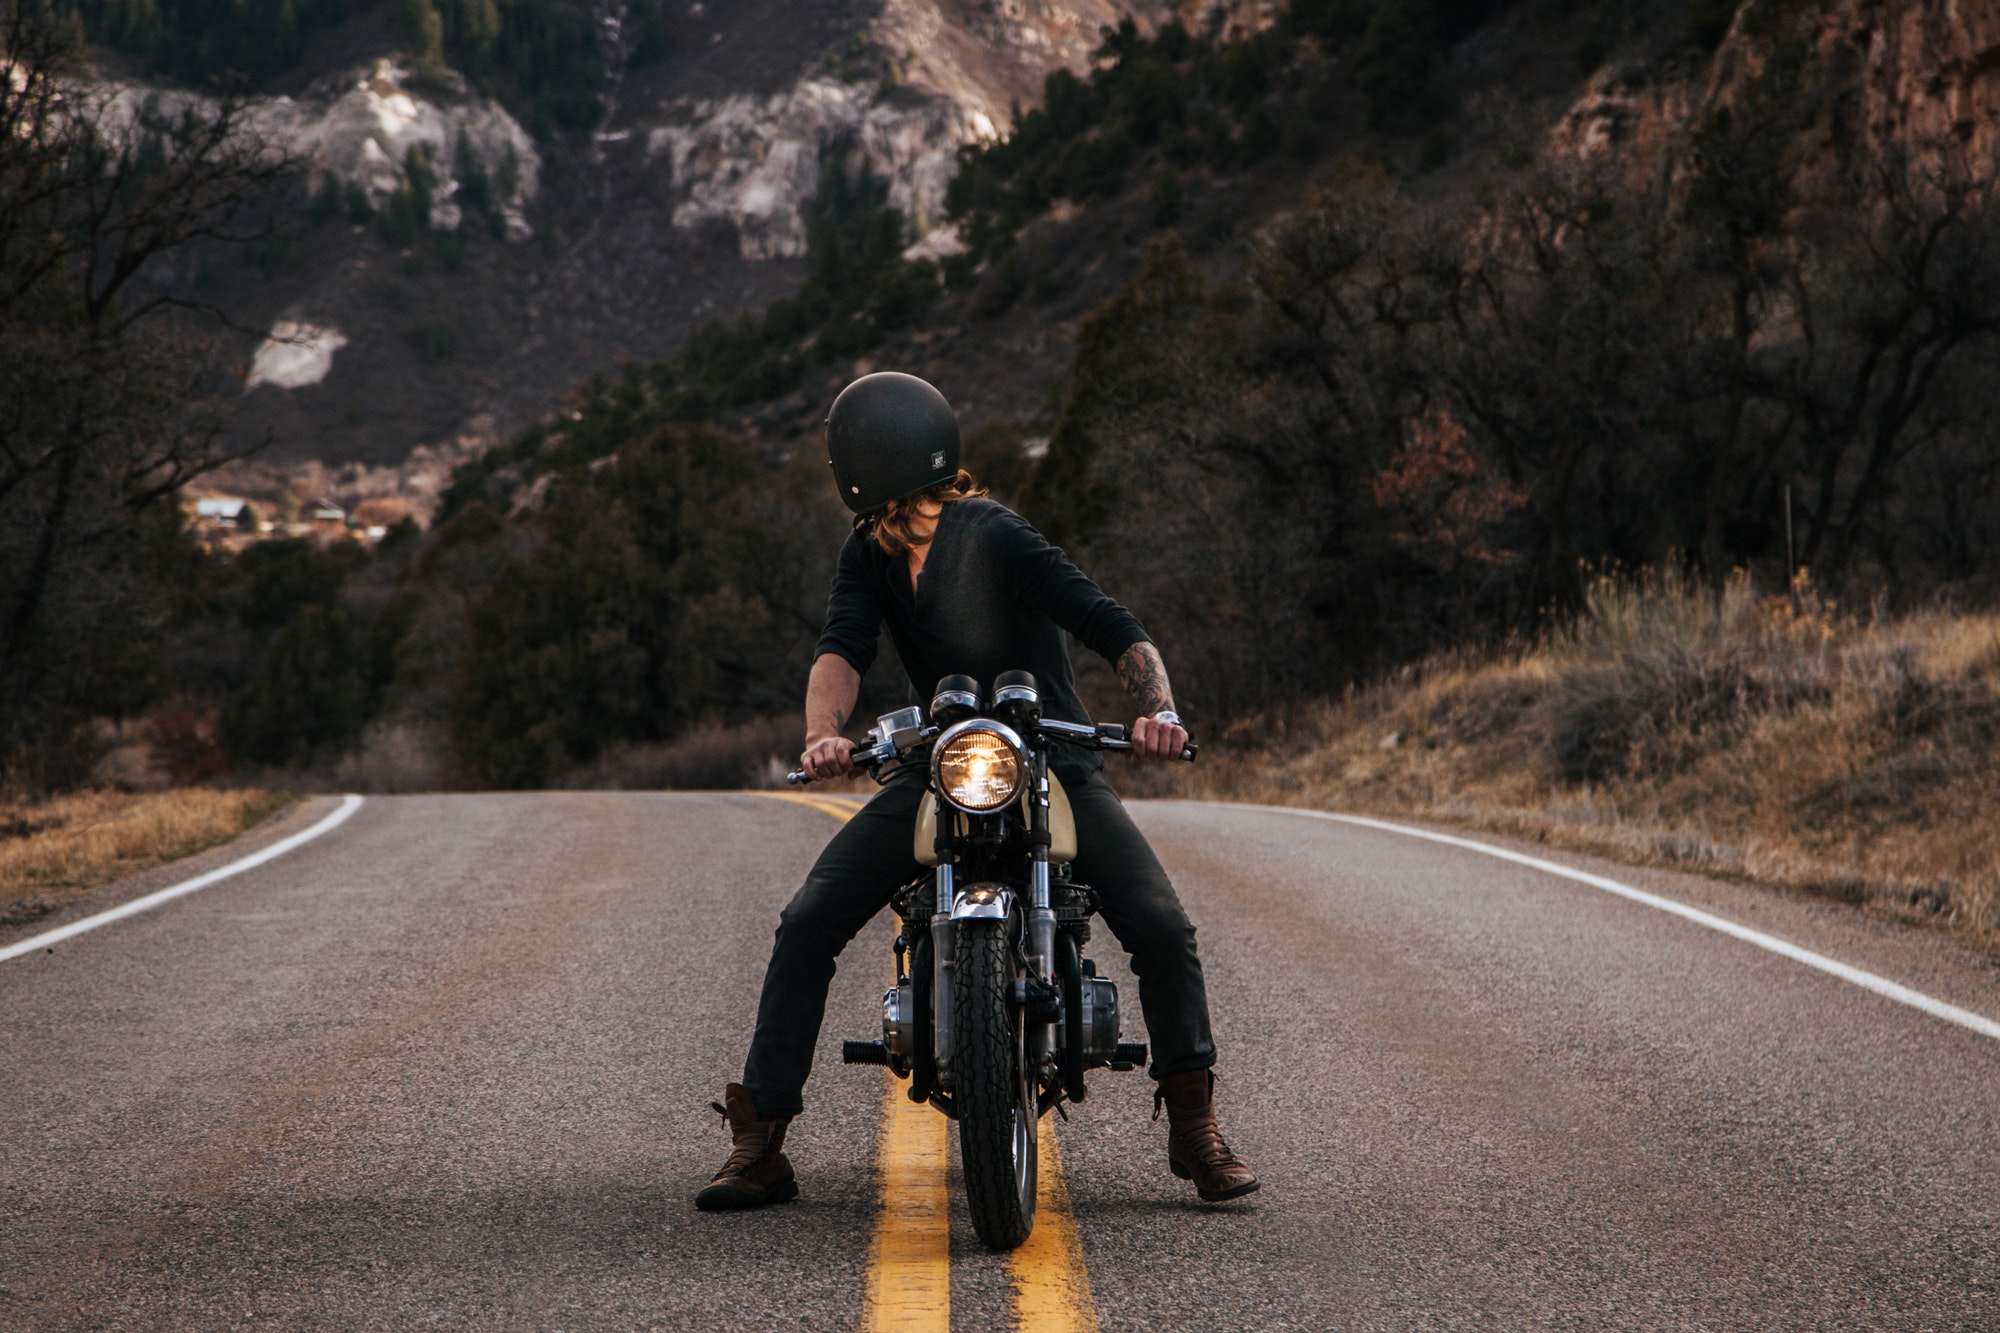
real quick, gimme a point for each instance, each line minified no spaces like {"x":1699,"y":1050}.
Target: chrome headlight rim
{"x":1007,"y":735}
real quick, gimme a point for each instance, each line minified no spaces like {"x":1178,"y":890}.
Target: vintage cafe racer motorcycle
{"x":996,"y":1013}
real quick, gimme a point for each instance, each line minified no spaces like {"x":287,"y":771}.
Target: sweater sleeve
{"x":854,"y":611}
{"x":1046,"y":581}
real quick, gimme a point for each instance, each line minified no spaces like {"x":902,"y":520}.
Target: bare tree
{"x":112,"y":387}
{"x":1898,"y":309}
{"x":1431,"y":422}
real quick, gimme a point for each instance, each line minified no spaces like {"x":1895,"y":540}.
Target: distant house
{"x":220,"y":511}
{"x":327,"y":514}
{"x":381,"y":512}
{"x":374,"y":517}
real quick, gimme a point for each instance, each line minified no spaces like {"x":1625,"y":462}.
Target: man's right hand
{"x":828,"y":757}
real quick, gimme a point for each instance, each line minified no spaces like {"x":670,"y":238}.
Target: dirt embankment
{"x":1769,"y":738}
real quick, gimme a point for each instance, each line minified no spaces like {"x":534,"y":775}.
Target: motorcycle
{"x":996,"y":1015}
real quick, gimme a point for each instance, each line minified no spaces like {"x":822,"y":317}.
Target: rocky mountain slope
{"x":542,"y":259}
{"x":449,"y":276}
{"x":1391,"y":330}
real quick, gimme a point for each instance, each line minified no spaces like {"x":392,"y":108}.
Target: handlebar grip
{"x":797,"y":778}
{"x":1188,"y":752}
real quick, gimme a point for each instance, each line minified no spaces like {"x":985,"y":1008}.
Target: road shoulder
{"x":1910,"y":954}
{"x":294,"y":817}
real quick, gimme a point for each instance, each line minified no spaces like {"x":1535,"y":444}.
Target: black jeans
{"x":870,"y":858}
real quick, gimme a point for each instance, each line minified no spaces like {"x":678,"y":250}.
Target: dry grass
{"x":1774,"y":739}
{"x":55,"y":848}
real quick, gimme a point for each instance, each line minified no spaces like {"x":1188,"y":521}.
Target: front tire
{"x":993,"y":1094}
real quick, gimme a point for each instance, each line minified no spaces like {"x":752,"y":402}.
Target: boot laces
{"x":1204,"y":1142}
{"x":1200,"y":1134}
{"x":746,"y":1152}
{"x":741,"y":1159}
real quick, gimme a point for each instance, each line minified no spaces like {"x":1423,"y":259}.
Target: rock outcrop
{"x":360,"y":128}
{"x":687,"y":203}
{"x":1928,"y":71}
{"x":952,"y":73}
{"x":363,"y":128}
{"x":1920,"y":77}
{"x":986,"y":56}
{"x":294,"y":355}
{"x":754,"y":162}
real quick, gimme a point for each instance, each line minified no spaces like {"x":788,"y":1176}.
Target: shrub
{"x":1005,"y":280}
{"x":1167,"y":201}
{"x":281,"y":578}
{"x":1659,"y":659}
{"x":433,"y":338}
{"x":677,"y":585}
{"x":308,"y":697}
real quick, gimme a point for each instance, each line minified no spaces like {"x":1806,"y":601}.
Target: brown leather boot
{"x":756,"y":1173}
{"x":1195,"y":1150}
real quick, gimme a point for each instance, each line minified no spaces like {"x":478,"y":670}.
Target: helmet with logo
{"x":888,"y":437}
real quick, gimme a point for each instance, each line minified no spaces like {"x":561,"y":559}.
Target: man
{"x":966,"y":586}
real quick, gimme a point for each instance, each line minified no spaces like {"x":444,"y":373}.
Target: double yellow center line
{"x":909,"y":1258}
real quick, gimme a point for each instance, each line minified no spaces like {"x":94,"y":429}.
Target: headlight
{"x":978,"y":768}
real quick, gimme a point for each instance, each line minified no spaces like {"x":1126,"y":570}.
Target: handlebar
{"x":866,"y":758}
{"x":1109,"y":736}
{"x":1186,"y":756}
{"x":1103,"y":736}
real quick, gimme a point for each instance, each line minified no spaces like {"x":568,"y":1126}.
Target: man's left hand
{"x":1154,"y":739}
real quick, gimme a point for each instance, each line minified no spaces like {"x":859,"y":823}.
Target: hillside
{"x":587,"y":185}
{"x":1277,"y":111}
{"x":1777,"y":739}
{"x":1326,"y":351}
{"x":1328,"y":337}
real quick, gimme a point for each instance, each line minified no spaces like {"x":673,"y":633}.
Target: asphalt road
{"x":448,"y":1066}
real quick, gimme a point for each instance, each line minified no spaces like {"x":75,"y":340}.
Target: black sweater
{"x":994,"y":596}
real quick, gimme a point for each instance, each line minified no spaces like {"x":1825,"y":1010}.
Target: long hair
{"x":891,"y":525}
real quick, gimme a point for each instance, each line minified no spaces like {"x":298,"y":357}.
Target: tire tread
{"x":983,"y":1042}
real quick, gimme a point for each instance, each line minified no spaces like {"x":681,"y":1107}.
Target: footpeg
{"x":870,"y":1053}
{"x":1129,"y":1056}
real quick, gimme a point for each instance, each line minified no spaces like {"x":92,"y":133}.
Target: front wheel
{"x":993,"y":1094}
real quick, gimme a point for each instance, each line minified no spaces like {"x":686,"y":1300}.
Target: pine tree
{"x":309,"y":694}
{"x":424,"y":27}
{"x":287,"y":43}
{"x":476,"y":34}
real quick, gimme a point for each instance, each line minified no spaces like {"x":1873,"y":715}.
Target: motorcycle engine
{"x":1100,"y":1018}
{"x":899,"y":1024}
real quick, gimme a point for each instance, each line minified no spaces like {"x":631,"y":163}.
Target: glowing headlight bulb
{"x":979,"y":769}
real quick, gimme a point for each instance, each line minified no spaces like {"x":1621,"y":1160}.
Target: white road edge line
{"x":1868,"y":981}
{"x":348,"y":805}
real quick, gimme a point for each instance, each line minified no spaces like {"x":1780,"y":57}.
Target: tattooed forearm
{"x":1145,"y":678}
{"x":831,"y":693}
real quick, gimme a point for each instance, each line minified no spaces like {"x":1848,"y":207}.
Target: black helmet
{"x":888,"y":437}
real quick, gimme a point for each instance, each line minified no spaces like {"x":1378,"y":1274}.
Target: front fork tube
{"x":1041,"y":916}
{"x":943,"y":964}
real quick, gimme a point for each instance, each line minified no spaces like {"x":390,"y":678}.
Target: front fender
{"x":988,"y":902}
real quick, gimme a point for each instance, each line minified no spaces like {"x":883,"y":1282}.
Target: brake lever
{"x":869,"y":761}
{"x":1188,"y":752}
